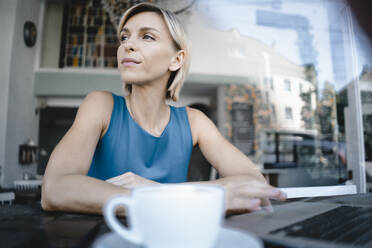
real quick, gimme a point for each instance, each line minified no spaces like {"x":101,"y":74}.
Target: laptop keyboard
{"x":354,"y":200}
{"x":345,"y":224}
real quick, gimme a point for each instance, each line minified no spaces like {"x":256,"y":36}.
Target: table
{"x":30,"y":226}
{"x":25,"y":224}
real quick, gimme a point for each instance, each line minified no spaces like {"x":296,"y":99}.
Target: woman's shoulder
{"x":98,"y":105}
{"x":195,"y":115}
{"x":99,"y":100}
{"x":199,"y":122}
{"x":100,"y":95}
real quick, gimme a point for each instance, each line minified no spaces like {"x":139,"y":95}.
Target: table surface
{"x":25,"y":224}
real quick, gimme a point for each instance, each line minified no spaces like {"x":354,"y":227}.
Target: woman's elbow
{"x":47,"y":203}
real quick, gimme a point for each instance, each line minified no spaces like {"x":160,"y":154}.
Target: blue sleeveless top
{"x":127,"y":147}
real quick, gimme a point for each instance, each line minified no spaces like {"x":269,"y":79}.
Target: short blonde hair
{"x":177,"y":32}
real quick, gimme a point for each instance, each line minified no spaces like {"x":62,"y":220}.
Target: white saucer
{"x":228,"y":238}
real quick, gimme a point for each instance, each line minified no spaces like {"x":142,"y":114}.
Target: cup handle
{"x":132,"y":234}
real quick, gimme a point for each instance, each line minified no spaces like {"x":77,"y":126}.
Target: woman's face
{"x":146,"y":49}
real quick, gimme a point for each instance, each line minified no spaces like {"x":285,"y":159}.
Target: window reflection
{"x":286,"y":72}
{"x":298,"y":59}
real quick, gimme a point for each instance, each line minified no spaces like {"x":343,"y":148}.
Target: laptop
{"x":327,"y":221}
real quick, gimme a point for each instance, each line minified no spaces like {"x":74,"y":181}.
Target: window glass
{"x":287,"y":85}
{"x":294,"y":78}
{"x":288,"y":113}
{"x":312,"y":49}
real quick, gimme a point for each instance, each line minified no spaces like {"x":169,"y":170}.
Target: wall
{"x":7,"y":15}
{"x":21,"y":121}
{"x":52,"y":34}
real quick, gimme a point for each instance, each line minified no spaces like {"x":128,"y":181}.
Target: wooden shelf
{"x":90,"y":40}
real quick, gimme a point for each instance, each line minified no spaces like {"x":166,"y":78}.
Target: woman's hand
{"x":246,"y":193}
{"x":130,"y":180}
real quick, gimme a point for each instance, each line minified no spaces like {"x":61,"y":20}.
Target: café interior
{"x":288,"y":82}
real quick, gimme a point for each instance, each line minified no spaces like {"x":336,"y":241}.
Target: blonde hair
{"x":175,"y":28}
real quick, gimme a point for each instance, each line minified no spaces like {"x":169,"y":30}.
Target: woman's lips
{"x":129,"y":61}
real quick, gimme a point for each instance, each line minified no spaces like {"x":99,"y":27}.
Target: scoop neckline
{"x":144,"y":130}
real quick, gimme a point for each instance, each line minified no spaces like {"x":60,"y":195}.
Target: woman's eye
{"x":148,"y":37}
{"x":123,"y":37}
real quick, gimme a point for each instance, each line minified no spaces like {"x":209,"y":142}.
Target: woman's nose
{"x":129,"y":45}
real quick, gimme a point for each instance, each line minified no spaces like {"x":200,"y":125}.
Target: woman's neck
{"x":148,"y":108}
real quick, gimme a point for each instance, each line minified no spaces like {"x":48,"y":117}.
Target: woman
{"x":116,"y":144}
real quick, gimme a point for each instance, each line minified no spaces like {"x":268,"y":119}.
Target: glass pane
{"x":298,"y":61}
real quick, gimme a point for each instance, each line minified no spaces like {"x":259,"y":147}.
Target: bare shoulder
{"x":97,"y":103}
{"x":99,"y":99}
{"x":199,"y":123}
{"x":195,"y":115}
{"x":96,"y":109}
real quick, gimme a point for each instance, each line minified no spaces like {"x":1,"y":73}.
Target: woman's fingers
{"x":129,"y":180}
{"x":277,"y":194}
{"x":251,"y":195}
{"x":120,"y":178}
{"x":126,"y":180}
{"x":250,"y":205}
{"x":262,"y":191}
{"x":265,"y":202}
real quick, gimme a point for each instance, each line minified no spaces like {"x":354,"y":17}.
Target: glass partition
{"x":293,"y":77}
{"x":302,"y":62}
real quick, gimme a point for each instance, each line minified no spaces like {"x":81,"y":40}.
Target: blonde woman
{"x":117,"y":143}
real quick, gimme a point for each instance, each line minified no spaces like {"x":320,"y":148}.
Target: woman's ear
{"x":177,"y":60}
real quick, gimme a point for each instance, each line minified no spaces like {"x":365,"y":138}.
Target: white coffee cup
{"x":169,"y":216}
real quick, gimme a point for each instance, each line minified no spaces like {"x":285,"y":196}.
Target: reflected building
{"x":273,"y":95}
{"x":274,"y":111}
{"x":287,"y":91}
{"x":292,"y":101}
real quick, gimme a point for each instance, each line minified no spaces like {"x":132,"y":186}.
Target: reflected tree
{"x":327,"y":112}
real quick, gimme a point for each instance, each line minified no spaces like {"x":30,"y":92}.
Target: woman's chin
{"x":128,"y":75}
{"x":129,"y":78}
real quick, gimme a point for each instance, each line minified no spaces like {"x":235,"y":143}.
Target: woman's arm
{"x":245,"y":186}
{"x":66,"y":185}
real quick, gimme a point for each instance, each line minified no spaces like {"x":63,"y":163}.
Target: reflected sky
{"x":306,"y":32}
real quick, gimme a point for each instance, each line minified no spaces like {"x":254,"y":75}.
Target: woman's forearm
{"x":246,"y":192}
{"x":77,"y":193}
